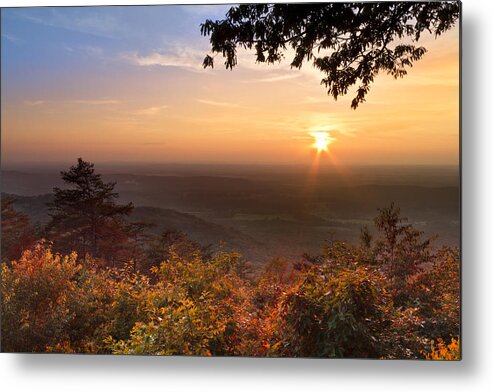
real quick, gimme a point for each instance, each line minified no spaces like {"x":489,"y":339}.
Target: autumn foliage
{"x":391,"y":296}
{"x":191,"y":306}
{"x":444,"y":352}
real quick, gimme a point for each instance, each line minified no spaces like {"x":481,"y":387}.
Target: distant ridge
{"x":199,"y":230}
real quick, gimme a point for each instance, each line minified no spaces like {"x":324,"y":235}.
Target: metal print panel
{"x":263,"y":180}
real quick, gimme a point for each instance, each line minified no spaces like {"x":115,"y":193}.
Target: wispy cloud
{"x":311,"y":99}
{"x":34,"y":103}
{"x":101,"y":25}
{"x":271,"y":79}
{"x":153,"y":143}
{"x":186,"y":58}
{"x":96,"y":101}
{"x":67,"y":48}
{"x":93,"y":50}
{"x":217,"y":103}
{"x":12,"y":38}
{"x":87,"y":50}
{"x":151,"y":110}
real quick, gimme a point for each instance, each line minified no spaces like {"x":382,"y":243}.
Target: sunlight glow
{"x":322,"y":140}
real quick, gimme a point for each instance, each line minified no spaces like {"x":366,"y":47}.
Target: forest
{"x":90,"y":280}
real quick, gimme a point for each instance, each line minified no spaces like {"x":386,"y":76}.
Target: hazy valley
{"x":264,"y":211}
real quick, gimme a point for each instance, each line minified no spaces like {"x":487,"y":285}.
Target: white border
{"x":88,"y":373}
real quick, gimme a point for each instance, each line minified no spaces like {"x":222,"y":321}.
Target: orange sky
{"x":115,"y":103}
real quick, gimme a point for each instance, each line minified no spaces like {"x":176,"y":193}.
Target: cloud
{"x":96,"y":101}
{"x":272,"y":79}
{"x":87,"y":50}
{"x":101,"y":25}
{"x":12,"y":38}
{"x":68,"y":48}
{"x":183,"y":58}
{"x":311,"y":99}
{"x":152,"y":110}
{"x":216,"y":103}
{"x":34,"y":103}
{"x":92,"y":50}
{"x":153,"y":143}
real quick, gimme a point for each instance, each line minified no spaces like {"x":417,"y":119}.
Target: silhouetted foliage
{"x":348,"y":42}
{"x":85,"y":217}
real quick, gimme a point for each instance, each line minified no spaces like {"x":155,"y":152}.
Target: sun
{"x":322,"y":140}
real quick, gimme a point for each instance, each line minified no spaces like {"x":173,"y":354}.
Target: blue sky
{"x":84,"y":39}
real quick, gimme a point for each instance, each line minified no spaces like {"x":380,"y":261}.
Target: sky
{"x":125,"y":84}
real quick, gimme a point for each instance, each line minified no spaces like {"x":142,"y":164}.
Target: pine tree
{"x":401,"y":249}
{"x":85,"y":217}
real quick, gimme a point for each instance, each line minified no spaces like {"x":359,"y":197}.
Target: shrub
{"x":48,"y":299}
{"x":444,"y":352}
{"x":337,"y":315}
{"x":198,"y":308}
